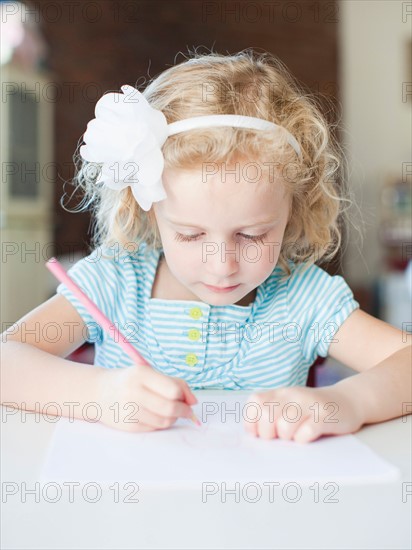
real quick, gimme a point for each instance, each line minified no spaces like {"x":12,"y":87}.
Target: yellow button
{"x":191,"y":359}
{"x":195,"y":313}
{"x":193,"y":334}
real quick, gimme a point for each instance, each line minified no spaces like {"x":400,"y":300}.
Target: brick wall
{"x":98,"y":46}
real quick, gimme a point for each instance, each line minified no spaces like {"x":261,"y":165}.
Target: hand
{"x":302,"y":414}
{"x":141,"y":399}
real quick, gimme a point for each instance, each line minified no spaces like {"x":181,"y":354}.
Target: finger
{"x":257,"y":420}
{"x":189,"y":397}
{"x":308,"y":431}
{"x":286,"y":429}
{"x":134,"y":427}
{"x":154,"y":420}
{"x":174,"y":390}
{"x":250,"y":426}
{"x":161,"y":406}
{"x":163,"y":385}
{"x":266,"y":425}
{"x":249,"y":418}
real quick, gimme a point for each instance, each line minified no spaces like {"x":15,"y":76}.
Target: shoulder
{"x":320,"y":303}
{"x":111,"y":262}
{"x":310,"y":288}
{"x":106,"y":273}
{"x":110,"y":279}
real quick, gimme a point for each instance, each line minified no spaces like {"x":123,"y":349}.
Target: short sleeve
{"x":319,"y":303}
{"x":94,"y":275}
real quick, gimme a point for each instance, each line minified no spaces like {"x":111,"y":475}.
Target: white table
{"x":365,"y":516}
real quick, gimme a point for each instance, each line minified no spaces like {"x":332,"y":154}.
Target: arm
{"x":385,"y":390}
{"x":381,"y":391}
{"x":33,"y":370}
{"x":383,"y":356}
{"x":34,"y":374}
{"x":32,"y":378}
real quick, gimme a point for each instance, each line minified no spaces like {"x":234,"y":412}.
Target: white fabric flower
{"x":126,"y":136}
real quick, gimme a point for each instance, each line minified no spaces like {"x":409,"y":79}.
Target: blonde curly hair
{"x":250,"y":84}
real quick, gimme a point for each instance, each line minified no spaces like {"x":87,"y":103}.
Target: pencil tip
{"x":196,"y":421}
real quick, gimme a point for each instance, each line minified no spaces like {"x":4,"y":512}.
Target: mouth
{"x":221,"y":288}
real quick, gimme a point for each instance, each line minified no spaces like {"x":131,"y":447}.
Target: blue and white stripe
{"x":270,"y":343}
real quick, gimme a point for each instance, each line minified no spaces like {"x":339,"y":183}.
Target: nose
{"x":223,"y":265}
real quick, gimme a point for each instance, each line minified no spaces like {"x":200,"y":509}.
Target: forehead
{"x":235,"y":192}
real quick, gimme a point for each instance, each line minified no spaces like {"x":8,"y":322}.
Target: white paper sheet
{"x":186,"y":455}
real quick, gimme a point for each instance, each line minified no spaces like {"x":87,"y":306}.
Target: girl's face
{"x":222,"y":233}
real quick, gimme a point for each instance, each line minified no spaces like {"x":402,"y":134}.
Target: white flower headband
{"x":128,"y":133}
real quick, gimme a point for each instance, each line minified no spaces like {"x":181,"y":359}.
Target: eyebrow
{"x":193,"y":225}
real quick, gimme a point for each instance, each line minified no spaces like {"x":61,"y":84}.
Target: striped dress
{"x":267,"y":344}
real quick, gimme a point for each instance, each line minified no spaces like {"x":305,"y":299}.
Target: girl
{"x":214,"y":192}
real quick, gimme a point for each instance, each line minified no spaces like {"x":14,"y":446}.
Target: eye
{"x":186,"y":238}
{"x":254,"y":238}
{"x":189,"y":238}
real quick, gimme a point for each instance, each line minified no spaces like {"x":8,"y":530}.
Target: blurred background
{"x":58,"y":58}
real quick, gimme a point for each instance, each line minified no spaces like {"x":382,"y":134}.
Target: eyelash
{"x":190,"y":238}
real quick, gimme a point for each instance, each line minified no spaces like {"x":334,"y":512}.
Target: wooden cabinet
{"x":26,"y":133}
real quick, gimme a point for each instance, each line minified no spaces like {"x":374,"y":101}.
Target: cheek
{"x":182,"y":259}
{"x":260,"y":263}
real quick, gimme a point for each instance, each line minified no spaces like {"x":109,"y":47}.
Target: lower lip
{"x":222,"y":290}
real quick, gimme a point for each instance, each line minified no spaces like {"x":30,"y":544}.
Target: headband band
{"x":127,"y":135}
{"x":237,"y":121}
